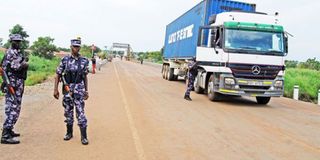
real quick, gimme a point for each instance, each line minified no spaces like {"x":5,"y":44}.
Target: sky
{"x":142,"y":23}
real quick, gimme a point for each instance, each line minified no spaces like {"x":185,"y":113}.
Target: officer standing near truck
{"x":192,"y":73}
{"x":14,"y":69}
{"x":73,"y":71}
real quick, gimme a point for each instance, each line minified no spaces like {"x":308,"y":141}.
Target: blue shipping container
{"x":182,"y":34}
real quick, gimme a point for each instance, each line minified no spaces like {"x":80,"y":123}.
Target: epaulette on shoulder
{"x":66,"y":57}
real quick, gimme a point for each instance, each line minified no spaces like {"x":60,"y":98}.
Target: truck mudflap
{"x":250,"y":87}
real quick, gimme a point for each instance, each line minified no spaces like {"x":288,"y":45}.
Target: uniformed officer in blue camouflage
{"x":15,"y":65}
{"x":192,"y":73}
{"x":73,"y":69}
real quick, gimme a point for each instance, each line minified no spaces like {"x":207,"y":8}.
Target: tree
{"x":18,"y":29}
{"x":86,"y":51}
{"x":310,"y":64}
{"x":291,"y":64}
{"x":142,"y":55}
{"x":43,"y":47}
{"x":1,"y":42}
{"x":98,"y":50}
{"x":64,"y":49}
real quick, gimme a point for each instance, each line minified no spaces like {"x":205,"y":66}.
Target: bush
{"x":306,"y":79}
{"x":291,"y":64}
{"x":40,"y":69}
{"x":155,"y":56}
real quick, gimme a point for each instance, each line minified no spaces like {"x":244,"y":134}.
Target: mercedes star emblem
{"x":256,"y":70}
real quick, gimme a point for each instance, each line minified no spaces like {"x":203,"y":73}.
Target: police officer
{"x":94,"y":64}
{"x":73,"y":71}
{"x":15,"y":65}
{"x":193,"y":71}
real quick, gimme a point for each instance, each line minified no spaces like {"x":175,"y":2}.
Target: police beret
{"x":76,"y":42}
{"x":15,"y":37}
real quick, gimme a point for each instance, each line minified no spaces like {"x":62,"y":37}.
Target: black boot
{"x":69,"y":134}
{"x":84,"y":139}
{"x":187,"y":98}
{"x":13,"y":134}
{"x":7,"y":138}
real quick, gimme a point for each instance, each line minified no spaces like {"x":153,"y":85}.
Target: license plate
{"x":255,"y":83}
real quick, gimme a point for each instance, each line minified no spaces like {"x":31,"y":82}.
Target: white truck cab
{"x":243,"y":55}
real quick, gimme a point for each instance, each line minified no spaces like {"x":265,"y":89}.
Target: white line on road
{"x":133,"y":129}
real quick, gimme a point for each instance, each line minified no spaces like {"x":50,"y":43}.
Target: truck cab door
{"x":207,"y":50}
{"x":216,"y":41}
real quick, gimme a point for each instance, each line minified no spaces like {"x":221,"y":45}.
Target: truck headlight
{"x":278,"y":84}
{"x":229,"y":81}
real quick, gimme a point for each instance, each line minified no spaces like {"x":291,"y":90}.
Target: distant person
{"x":73,"y":71}
{"x":141,"y":60}
{"x":99,"y":62}
{"x":192,"y":73}
{"x":94,"y":64}
{"x":15,"y":66}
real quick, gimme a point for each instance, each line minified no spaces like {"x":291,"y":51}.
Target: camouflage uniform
{"x":192,"y":66}
{"x":12,"y":64}
{"x":72,"y":64}
{"x":14,"y":68}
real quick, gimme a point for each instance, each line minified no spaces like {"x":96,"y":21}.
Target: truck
{"x":239,"y":51}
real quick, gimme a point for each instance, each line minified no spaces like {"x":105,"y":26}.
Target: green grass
{"x":39,"y":69}
{"x":307,"y":80}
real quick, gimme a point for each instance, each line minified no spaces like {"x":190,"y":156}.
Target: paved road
{"x":134,"y":114}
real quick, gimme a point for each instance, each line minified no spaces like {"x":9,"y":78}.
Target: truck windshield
{"x":254,"y":42}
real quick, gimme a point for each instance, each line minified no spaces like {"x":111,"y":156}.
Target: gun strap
{"x":78,"y":69}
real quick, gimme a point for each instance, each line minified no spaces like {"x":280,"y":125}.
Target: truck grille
{"x":250,"y":71}
{"x":245,"y":87}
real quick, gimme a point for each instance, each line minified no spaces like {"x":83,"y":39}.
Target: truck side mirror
{"x":213,"y":44}
{"x":286,"y":45}
{"x":213,"y":37}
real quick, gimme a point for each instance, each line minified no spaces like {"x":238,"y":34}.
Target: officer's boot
{"x":13,"y":134}
{"x":187,"y":97}
{"x":69,"y":134}
{"x":84,"y":139}
{"x":7,"y":138}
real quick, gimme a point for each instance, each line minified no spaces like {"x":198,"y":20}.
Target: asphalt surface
{"x":134,"y":114}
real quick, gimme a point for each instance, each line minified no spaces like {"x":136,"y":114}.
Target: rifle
{"x":66,"y":87}
{"x":24,"y":71}
{"x":6,"y":80}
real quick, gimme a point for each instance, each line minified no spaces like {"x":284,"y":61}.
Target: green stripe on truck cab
{"x":253,"y":26}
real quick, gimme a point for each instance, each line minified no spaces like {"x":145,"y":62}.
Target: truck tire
{"x":196,"y":86}
{"x":164,"y":71}
{"x":263,"y":100}
{"x":212,"y":95}
{"x":170,"y":74}
{"x":175,"y":77}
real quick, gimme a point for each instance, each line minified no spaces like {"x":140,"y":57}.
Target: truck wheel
{"x":164,"y":71}
{"x":212,"y":95}
{"x":196,"y":86}
{"x":170,"y":74}
{"x":263,"y":100}
{"x":175,"y":77}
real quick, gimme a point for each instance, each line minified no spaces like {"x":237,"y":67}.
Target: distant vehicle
{"x":239,"y":51}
